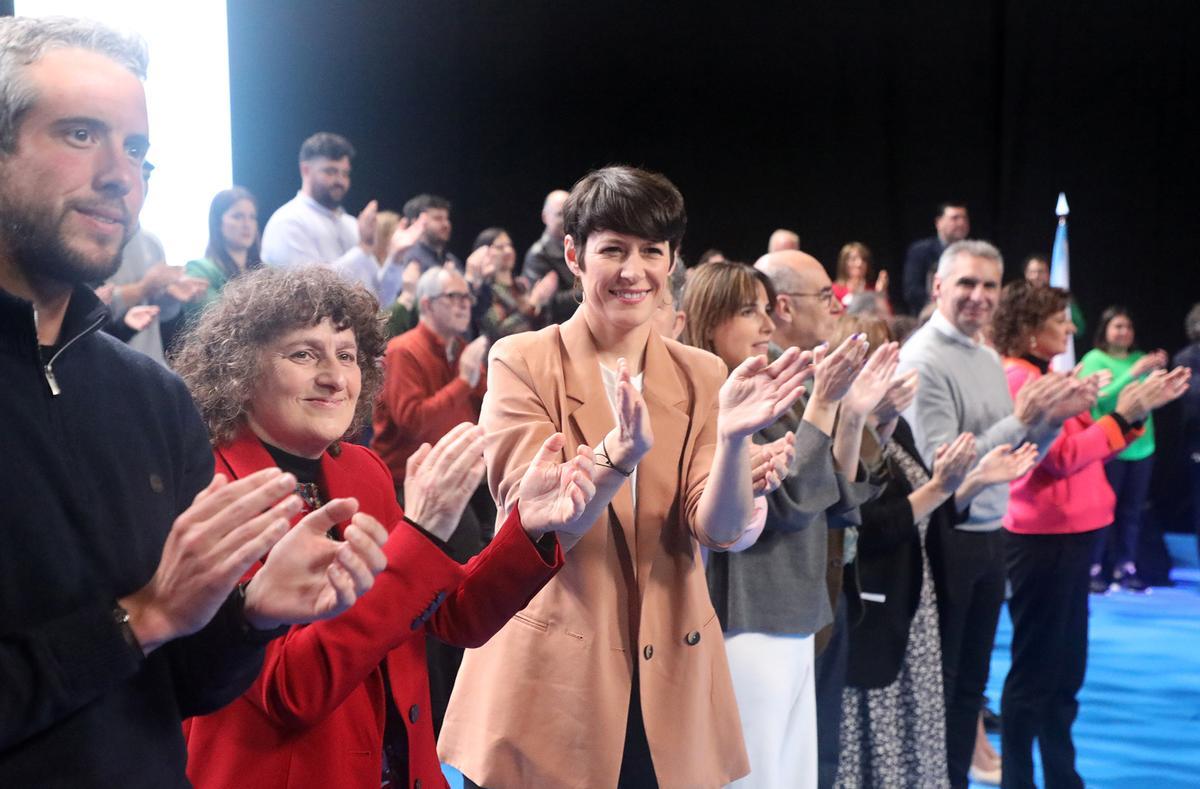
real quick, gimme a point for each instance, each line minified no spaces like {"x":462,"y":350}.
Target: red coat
{"x":315,"y":715}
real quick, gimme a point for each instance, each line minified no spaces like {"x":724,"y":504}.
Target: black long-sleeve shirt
{"x":102,"y":449}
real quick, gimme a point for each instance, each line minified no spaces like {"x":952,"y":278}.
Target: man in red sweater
{"x":433,"y":381}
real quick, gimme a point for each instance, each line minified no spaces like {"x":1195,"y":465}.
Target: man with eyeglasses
{"x":775,"y":592}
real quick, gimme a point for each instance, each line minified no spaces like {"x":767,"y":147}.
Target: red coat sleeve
{"x":314,"y":668}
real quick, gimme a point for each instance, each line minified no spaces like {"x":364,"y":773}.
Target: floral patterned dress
{"x":896,"y":736}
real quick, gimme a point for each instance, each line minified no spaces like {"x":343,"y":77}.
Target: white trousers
{"x":776,"y":698}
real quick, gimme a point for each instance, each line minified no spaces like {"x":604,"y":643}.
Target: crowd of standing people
{"x":330,"y":505}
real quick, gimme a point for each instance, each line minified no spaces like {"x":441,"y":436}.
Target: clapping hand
{"x":552,"y":495}
{"x":873,"y":381}
{"x":544,"y":289}
{"x":1074,"y":396}
{"x":308,"y":577}
{"x":1139,"y":398}
{"x":628,"y":442}
{"x":185,"y":288}
{"x":439,"y":480}
{"x":897,"y":399}
{"x":139,"y":316}
{"x":368,"y":220}
{"x":952,"y":462}
{"x":1004,"y":464}
{"x":756,"y":393}
{"x":834,"y":372}
{"x":403,"y":238}
{"x":771,"y":462}
{"x":1155,"y":360}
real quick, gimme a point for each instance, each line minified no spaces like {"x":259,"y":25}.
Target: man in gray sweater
{"x":963,"y":389}
{"x":772,"y":598}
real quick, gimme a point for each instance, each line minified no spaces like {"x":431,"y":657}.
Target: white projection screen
{"x":187,"y":94}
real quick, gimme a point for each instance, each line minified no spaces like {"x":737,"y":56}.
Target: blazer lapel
{"x":245,"y":454}
{"x":659,"y":472}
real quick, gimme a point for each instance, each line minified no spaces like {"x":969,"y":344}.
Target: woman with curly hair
{"x":1051,"y":525}
{"x":284,"y":369}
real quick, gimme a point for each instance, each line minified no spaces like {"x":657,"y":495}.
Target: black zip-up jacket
{"x":101,"y":449}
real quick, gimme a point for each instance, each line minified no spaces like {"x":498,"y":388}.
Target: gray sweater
{"x":778,"y":585}
{"x":963,"y":388}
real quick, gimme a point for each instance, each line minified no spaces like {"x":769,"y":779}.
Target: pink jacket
{"x":1067,"y":492}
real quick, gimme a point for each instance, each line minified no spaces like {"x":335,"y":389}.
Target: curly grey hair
{"x":25,"y":40}
{"x":220,"y":358}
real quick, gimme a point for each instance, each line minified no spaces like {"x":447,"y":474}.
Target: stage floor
{"x":1139,"y":711}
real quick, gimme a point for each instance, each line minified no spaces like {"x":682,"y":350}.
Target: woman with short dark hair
{"x":615,"y":673}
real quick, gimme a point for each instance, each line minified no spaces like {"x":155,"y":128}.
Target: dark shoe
{"x":1097,"y":584}
{"x":1130,"y":582}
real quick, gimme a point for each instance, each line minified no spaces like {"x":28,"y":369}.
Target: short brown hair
{"x":1020,"y":312}
{"x":221,"y":355}
{"x":624,"y":199}
{"x":714,"y":293}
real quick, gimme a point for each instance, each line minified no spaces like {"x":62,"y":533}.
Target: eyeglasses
{"x":824,"y":294}
{"x":458,"y":299}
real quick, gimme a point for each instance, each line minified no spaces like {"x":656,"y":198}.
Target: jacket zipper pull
{"x":50,"y":379}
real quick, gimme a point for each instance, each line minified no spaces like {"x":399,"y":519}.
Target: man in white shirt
{"x":313,"y":227}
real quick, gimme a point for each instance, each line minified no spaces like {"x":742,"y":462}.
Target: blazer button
{"x":648,"y":652}
{"x":693,"y":638}
{"x":414,"y":712}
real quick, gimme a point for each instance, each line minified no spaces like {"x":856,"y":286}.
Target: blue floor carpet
{"x":1139,"y":710}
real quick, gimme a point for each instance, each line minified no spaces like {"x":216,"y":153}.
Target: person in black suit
{"x":952,"y":223}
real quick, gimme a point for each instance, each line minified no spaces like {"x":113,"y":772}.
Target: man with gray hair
{"x":119,"y":595}
{"x":433,"y":379}
{"x":963,"y":389}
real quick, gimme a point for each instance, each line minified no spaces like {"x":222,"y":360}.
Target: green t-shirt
{"x":1096,"y":360}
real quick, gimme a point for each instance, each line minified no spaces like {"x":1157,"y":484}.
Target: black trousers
{"x":1117,"y":543}
{"x":829,"y":673}
{"x":1049,"y":608}
{"x":968,"y":572}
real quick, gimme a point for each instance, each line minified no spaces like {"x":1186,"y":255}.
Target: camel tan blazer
{"x":544,"y":702}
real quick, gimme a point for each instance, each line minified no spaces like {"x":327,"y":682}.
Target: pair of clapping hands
{"x":306,"y":576}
